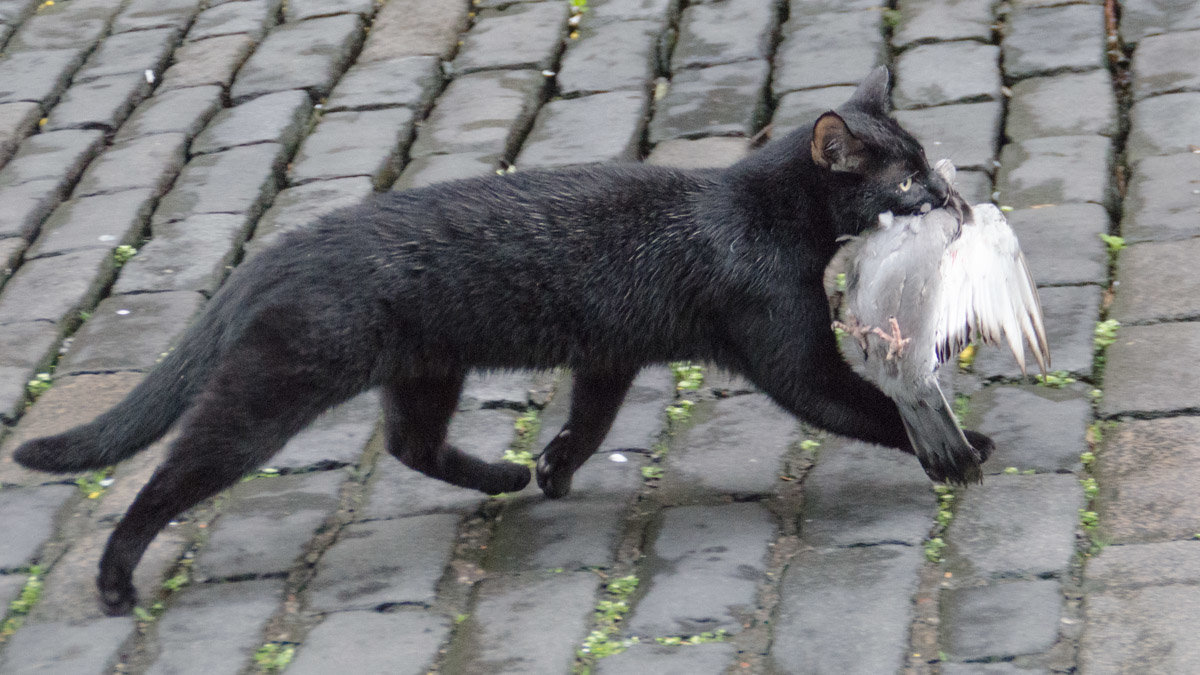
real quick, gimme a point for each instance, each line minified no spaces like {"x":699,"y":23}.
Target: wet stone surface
{"x":59,"y":155}
{"x":308,"y":55}
{"x":571,"y":534}
{"x":1140,"y":18}
{"x":617,"y":55}
{"x":1162,"y":199}
{"x":25,"y":348}
{"x":722,"y":100}
{"x":647,"y":657}
{"x":1044,"y":40}
{"x":30,"y":514}
{"x":141,"y":162}
{"x":523,"y":35}
{"x":1167,"y":64}
{"x":1146,"y":630}
{"x":1149,"y":369}
{"x":51,"y":289}
{"x":299,"y":10}
{"x":1062,"y":244}
{"x":184,"y":111}
{"x":351,"y":641}
{"x":211,"y":61}
{"x":1137,"y":565}
{"x":412,"y":28}
{"x":39,"y":75}
{"x":1055,"y":170}
{"x":952,"y":72}
{"x":86,"y":648}
{"x":409,"y":81}
{"x":219,"y":625}
{"x":337,"y":437}
{"x":148,"y":14}
{"x":1159,"y":281}
{"x":1162,"y":125}
{"x":430,"y":169}
{"x":481,"y":113}
{"x":276,"y":118}
{"x":130,"y":53}
{"x":1048,"y":106}
{"x":820,"y":50}
{"x":1034,"y":427}
{"x":102,"y":221}
{"x":802,"y":108}
{"x":597,"y":128}
{"x":192,"y":254}
{"x":1070,"y":317}
{"x":102,"y":103}
{"x":716,"y":33}
{"x":129,"y":332}
{"x":1004,"y":619}
{"x":352,"y":143}
{"x":303,"y":204}
{"x":964,"y":134}
{"x":930,"y":20}
{"x":240,"y":181}
{"x":251,"y":17}
{"x":847,"y":609}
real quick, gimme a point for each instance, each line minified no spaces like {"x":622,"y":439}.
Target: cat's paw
{"x":117,"y":598}
{"x":555,"y":484}
{"x":505,"y":477}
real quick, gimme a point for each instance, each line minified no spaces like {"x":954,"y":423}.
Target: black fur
{"x":603,"y":269}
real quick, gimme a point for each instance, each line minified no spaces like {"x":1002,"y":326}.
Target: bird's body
{"x":919,"y":289}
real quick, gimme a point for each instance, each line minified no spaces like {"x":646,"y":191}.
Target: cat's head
{"x":871,"y":164}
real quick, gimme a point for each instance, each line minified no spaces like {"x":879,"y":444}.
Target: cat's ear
{"x":834,"y":147}
{"x":872,"y":95}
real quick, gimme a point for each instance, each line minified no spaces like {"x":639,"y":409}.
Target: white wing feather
{"x":987,"y":290}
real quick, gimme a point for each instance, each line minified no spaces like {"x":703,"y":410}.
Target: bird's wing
{"x":988,"y":291}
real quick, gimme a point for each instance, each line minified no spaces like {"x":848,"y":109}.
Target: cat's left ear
{"x":834,"y":147}
{"x":872,"y":94}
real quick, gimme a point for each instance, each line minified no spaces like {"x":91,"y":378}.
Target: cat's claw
{"x":553,"y":484}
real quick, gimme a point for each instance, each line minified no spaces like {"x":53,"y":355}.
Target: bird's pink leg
{"x":855,"y":329}
{"x":895,"y":341}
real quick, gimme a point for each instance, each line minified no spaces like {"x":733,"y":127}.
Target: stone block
{"x":847,"y":610}
{"x":218,"y":625}
{"x":355,"y":143}
{"x":1140,"y":565}
{"x":1146,"y":470}
{"x":183,"y":111}
{"x":951,"y":72}
{"x":1062,"y":243}
{"x":942,"y":20}
{"x":140,"y":15}
{"x":303,"y":204}
{"x":1034,"y":427}
{"x":610,"y":56}
{"x":39,"y":75}
{"x":861,"y":495}
{"x":409,"y":81}
{"x":25,"y":349}
{"x":384,"y":562}
{"x":1015,"y":526}
{"x":210,"y":61}
{"x":1070,"y":314}
{"x":150,"y":162}
{"x":965,"y":134}
{"x":522,"y":35}
{"x":1140,"y":18}
{"x":750,"y":427}
{"x":101,"y":221}
{"x":699,"y":153}
{"x":484,"y":113}
{"x":351,"y":641}
{"x":802,"y":108}
{"x":64,"y":26}
{"x":1162,"y":199}
{"x":129,"y":53}
{"x":574,"y":533}
{"x":25,"y":207}
{"x":726,"y":100}
{"x":430,"y":169}
{"x":88,"y":648}
{"x":1163,"y":125}
{"x":193,"y":254}
{"x":1001,"y":620}
{"x":723,"y":32}
{"x":598,"y":128}
{"x":974,"y":186}
{"x":53,"y":289}
{"x":1149,"y":370}
{"x":250,"y":17}
{"x":267,"y":524}
{"x":17,"y":120}
{"x":511,"y":635}
{"x":308,"y":55}
{"x":1056,"y":170}
{"x":1049,"y":106}
{"x":1148,"y":630}
{"x":648,"y":657}
{"x":239,"y":180}
{"x":1167,"y":64}
{"x":129,"y":332}
{"x":59,"y":155}
{"x":18,"y":11}
{"x":720,"y":549}
{"x":1158,"y":282}
{"x":275,"y":118}
{"x":337,"y":437}
{"x":415,"y":28}
{"x":30,"y":514}
{"x":300,"y":10}
{"x":1048,"y":40}
{"x":819,"y":50}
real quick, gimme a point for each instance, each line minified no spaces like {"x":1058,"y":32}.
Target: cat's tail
{"x":143,"y":416}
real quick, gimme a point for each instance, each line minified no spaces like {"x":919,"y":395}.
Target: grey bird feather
{"x":919,"y":289}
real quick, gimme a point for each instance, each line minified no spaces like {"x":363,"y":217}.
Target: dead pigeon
{"x":919,"y":289}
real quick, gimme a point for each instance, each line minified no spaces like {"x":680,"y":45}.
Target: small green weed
{"x":962,"y":405}
{"x":680,"y":411}
{"x":1057,"y":379}
{"x":18,"y":609}
{"x":652,"y":472}
{"x":522,"y":457}
{"x":688,"y":376}
{"x":1113,"y":242}
{"x":38,"y":385}
{"x":94,"y":483}
{"x":1090,"y":488}
{"x":265,"y":472}
{"x":579,"y":6}
{"x":622,"y":587}
{"x":1105,"y":333}
{"x":703,"y":638}
{"x":273,"y":657}
{"x":609,"y":614}
{"x":840,"y":281}
{"x":809,"y":444}
{"x":177,"y":582}
{"x":891,"y":17}
{"x":123,"y":253}
{"x":1089,"y":519}
{"x":933,"y":549}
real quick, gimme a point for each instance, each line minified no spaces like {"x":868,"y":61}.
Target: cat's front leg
{"x":595,"y":400}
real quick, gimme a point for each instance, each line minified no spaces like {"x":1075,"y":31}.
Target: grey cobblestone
{"x":125,"y":53}
{"x":481,"y":113}
{"x":1137,"y":565}
{"x":102,"y":221}
{"x":39,"y":76}
{"x":522,"y":35}
{"x":819,"y":50}
{"x":25,"y":348}
{"x":414,"y":28}
{"x":1147,"y":369}
{"x":409,"y":81}
{"x":355,"y":143}
{"x":940,"y":20}
{"x":673,"y":660}
{"x":724,"y":32}
{"x":725,"y":100}
{"x":129,"y":332}
{"x":65,"y":25}
{"x":299,"y":10}
{"x":598,"y":128}
{"x":1146,"y":630}
{"x":147,"y":14}
{"x":276,"y":118}
{"x":1162,"y":199}
{"x":184,"y":111}
{"x":67,"y":647}
{"x":30,"y":514}
{"x":1140,"y":18}
{"x":965,"y":134}
{"x":302,"y":204}
{"x":1070,"y":314}
{"x":351,"y":640}
{"x":58,"y":155}
{"x":308,"y":55}
{"x":240,"y":180}
{"x":1165,"y":64}
{"x":1056,"y":170}
{"x":192,"y":254}
{"x":1158,"y":281}
{"x":1046,"y":40}
{"x":215,"y":627}
{"x":1071,"y":252}
{"x":610,"y":56}
{"x":951,"y":72}
{"x":102,"y":103}
{"x":337,"y":436}
{"x":26,"y":205}
{"x":802,"y":108}
{"x":17,"y":120}
{"x":661,"y":12}
{"x":52,"y":289}
{"x":1048,"y":106}
{"x":141,"y":162}
{"x":1038,"y":428}
{"x":429,"y":169}
{"x":210,"y":61}
{"x":1163,"y":125}
{"x":1001,"y":620}
{"x":250,"y":17}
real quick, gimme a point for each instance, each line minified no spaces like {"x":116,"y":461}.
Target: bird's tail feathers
{"x":939,"y":442}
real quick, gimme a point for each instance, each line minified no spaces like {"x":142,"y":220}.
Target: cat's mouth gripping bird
{"x":919,"y":289}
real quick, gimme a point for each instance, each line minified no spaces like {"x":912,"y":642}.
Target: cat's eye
{"x":906,"y":185}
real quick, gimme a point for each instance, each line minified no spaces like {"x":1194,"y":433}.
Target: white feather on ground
{"x":919,"y":289}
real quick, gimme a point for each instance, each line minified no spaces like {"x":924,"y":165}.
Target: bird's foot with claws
{"x":855,"y":329}
{"x":895,"y":341}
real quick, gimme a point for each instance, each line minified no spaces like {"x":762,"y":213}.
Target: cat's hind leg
{"x":416,"y":412}
{"x":595,"y":400}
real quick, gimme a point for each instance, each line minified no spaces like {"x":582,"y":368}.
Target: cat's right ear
{"x":872,"y":94}
{"x":834,"y":147}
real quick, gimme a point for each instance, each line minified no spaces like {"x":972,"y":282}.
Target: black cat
{"x":603,"y":269}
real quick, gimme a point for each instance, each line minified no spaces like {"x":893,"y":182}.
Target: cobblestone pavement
{"x":146,"y":146}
